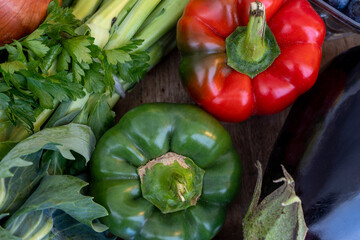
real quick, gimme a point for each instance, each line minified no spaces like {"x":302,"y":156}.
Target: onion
{"x":19,"y":18}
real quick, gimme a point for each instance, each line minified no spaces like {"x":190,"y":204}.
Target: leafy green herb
{"x":97,"y":114}
{"x":57,"y":63}
{"x":78,"y":47}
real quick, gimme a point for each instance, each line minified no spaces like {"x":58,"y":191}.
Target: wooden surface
{"x":253,"y":138}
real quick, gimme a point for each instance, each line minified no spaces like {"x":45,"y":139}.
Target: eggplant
{"x":319,"y":145}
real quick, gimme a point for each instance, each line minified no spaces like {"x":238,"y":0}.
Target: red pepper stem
{"x":254,"y":46}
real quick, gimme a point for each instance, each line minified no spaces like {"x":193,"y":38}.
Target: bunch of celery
{"x":72,"y":69}
{"x":99,"y":56}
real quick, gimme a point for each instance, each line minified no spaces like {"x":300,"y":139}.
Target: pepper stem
{"x":181,"y":188}
{"x":171,"y":182}
{"x":253,"y":48}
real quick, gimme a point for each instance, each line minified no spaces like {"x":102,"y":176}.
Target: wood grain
{"x":253,"y":138}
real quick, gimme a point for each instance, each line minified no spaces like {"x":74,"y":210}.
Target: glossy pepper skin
{"x":319,"y":146}
{"x":147,"y":132}
{"x":228,"y":94}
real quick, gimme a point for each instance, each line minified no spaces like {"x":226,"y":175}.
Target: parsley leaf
{"x":11,"y":67}
{"x":126,"y":62}
{"x":22,"y":111}
{"x":37,"y":47}
{"x":117,"y":56}
{"x":4,"y":101}
{"x":63,"y":61}
{"x":94,"y":80}
{"x":78,"y":48}
{"x":56,"y":87}
{"x":133,"y":71}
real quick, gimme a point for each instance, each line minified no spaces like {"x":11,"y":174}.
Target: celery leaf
{"x":63,"y":192}
{"x":64,"y":139}
{"x":37,"y":47}
{"x":117,"y":56}
{"x":66,"y":227}
{"x":79,"y":48}
{"x":13,"y":66}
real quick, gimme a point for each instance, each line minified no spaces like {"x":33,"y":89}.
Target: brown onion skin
{"x":19,"y":18}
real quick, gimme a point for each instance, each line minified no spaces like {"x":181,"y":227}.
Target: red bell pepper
{"x":235,"y":72}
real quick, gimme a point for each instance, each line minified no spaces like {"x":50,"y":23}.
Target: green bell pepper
{"x":165,"y":171}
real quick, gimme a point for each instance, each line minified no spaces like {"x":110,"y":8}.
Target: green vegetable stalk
{"x":83,"y":9}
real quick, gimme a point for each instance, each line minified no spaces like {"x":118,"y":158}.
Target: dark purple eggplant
{"x":319,"y":145}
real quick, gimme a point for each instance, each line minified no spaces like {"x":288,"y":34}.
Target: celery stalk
{"x":123,"y":13}
{"x":131,"y":24}
{"x":84,"y":8}
{"x":161,"y":20}
{"x":162,"y":47}
{"x":101,"y":22}
{"x":156,"y":52}
{"x":67,"y":110}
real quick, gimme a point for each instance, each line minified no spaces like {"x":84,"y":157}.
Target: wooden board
{"x":253,"y":138}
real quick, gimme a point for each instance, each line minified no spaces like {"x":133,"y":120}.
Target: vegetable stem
{"x":162,"y":47}
{"x":121,"y":16}
{"x":160,"y":21}
{"x":65,"y":109}
{"x":171,"y":178}
{"x":158,"y":50}
{"x":100,"y":23}
{"x":252,"y":49}
{"x":84,"y":8}
{"x":254,"y":46}
{"x":131,"y":24}
{"x":113,"y":99}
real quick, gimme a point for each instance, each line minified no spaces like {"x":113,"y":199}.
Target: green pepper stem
{"x":254,"y":46}
{"x":181,"y":188}
{"x":171,"y":182}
